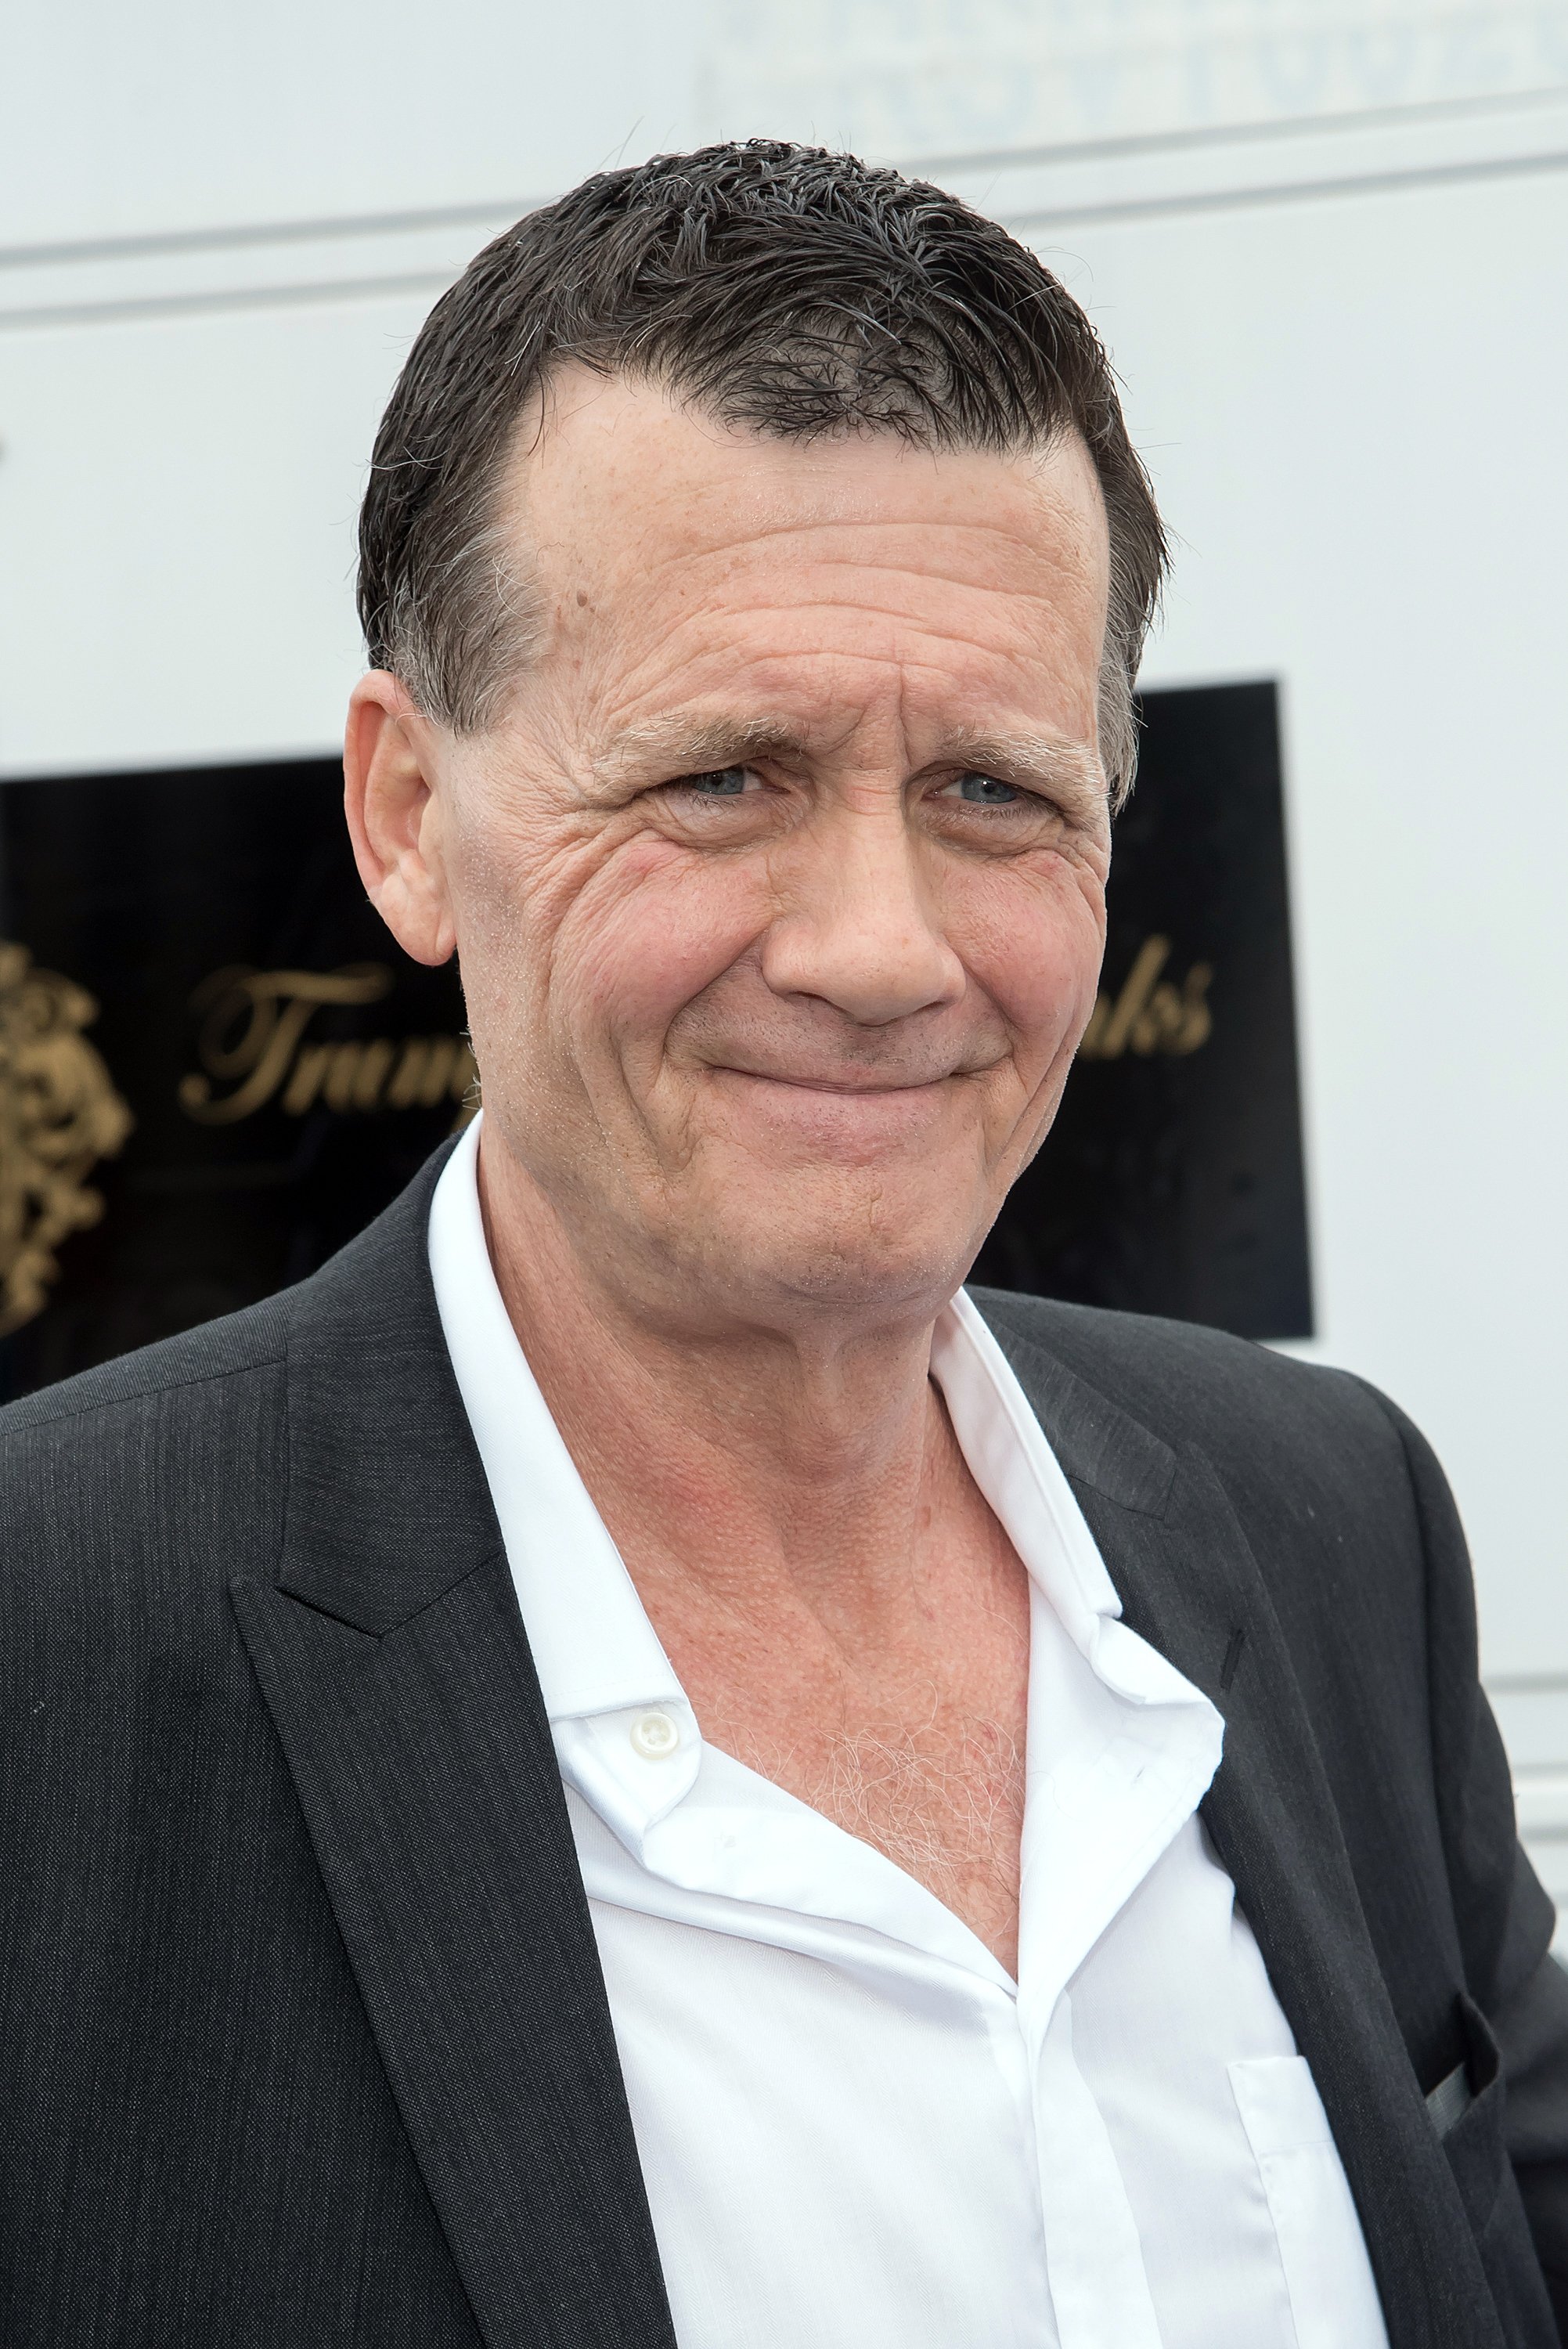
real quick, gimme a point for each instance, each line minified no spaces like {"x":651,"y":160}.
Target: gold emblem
{"x":59,"y":1114}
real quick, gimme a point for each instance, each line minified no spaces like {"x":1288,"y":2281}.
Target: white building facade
{"x":1325,"y":243}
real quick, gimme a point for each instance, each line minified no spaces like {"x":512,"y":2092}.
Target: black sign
{"x":215,"y":1066}
{"x":1172,"y":1181}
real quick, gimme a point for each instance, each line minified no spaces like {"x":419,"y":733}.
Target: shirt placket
{"x":1111,"y":1782}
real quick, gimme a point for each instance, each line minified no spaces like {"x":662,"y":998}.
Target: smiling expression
{"x":778,"y":888}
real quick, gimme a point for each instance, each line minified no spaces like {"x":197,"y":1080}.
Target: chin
{"x":869,"y":1263}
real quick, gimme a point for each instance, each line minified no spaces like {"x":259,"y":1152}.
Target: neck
{"x":732,"y":1451}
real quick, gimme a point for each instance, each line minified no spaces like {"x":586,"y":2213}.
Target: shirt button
{"x":654,"y":1736}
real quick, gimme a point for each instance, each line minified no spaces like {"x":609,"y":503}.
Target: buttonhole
{"x":1238,"y":1640}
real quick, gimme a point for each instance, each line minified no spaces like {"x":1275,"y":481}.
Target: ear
{"x":395,"y":816}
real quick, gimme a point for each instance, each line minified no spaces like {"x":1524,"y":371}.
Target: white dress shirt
{"x":857,"y":2130}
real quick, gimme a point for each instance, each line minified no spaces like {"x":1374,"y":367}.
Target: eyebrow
{"x":1042,"y":758}
{"x":681,"y":746}
{"x":687,"y":747}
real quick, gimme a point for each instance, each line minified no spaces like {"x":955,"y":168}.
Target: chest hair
{"x":943,"y":1800}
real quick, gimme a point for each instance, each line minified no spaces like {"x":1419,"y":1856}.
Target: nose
{"x":858,"y":928}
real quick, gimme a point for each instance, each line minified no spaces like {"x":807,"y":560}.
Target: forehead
{"x":676,"y":556}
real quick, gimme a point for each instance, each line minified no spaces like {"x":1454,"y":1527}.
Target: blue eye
{"x":987,"y":790}
{"x":723,"y":783}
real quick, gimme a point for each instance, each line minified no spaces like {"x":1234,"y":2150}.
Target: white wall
{"x":1325,"y":246}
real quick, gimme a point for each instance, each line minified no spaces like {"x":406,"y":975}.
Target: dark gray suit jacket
{"x":303,"y":2036}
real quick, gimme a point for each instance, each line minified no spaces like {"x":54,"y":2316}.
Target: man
{"x":628,"y":1765}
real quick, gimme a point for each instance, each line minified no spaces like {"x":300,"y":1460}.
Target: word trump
{"x":254,"y":1048}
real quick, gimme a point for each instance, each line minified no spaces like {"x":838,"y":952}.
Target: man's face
{"x":778,"y":890}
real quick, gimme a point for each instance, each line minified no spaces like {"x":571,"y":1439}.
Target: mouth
{"x":860,"y":1085}
{"x":827,"y":1115}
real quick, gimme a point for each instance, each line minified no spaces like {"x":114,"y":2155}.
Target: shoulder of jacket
{"x":179,"y":1377}
{"x":173,"y":1461}
{"x":143,"y":1382}
{"x":1191,"y":1384}
{"x":131,"y":1495}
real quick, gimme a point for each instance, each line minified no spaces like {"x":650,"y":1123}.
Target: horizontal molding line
{"x":1223,"y":134}
{"x":147,"y":243}
{"x":1525,"y":1684}
{"x":111,"y":310}
{"x":238,"y":297}
{"x":1290,"y":191}
{"x":328,"y":229}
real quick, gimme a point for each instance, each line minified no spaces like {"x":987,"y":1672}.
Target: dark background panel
{"x":143,"y":889}
{"x":1173,"y":1180}
{"x":194,"y":908}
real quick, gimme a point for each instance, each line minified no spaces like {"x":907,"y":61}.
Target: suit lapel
{"x":1191,"y":1586}
{"x":393,"y":1662}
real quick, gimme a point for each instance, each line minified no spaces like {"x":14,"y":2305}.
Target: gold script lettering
{"x":254,"y":1021}
{"x":252,"y":1040}
{"x":432,"y":1068}
{"x":1150,"y":1015}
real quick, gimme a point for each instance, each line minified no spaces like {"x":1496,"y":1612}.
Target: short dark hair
{"x":799,"y":293}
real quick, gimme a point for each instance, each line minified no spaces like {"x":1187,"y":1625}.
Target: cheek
{"x":1033,"y":939}
{"x":652,"y":928}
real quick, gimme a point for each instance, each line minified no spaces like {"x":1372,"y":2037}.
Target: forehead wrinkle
{"x":958,"y":626}
{"x":709,"y":526}
{"x":743,"y":530}
{"x":959,"y":660}
{"x":1019,"y":579}
{"x":919,"y":692}
{"x":979,"y":615}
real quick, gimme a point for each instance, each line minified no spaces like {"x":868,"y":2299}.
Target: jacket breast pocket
{"x":1466,"y":2112}
{"x":1333,"y":2298}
